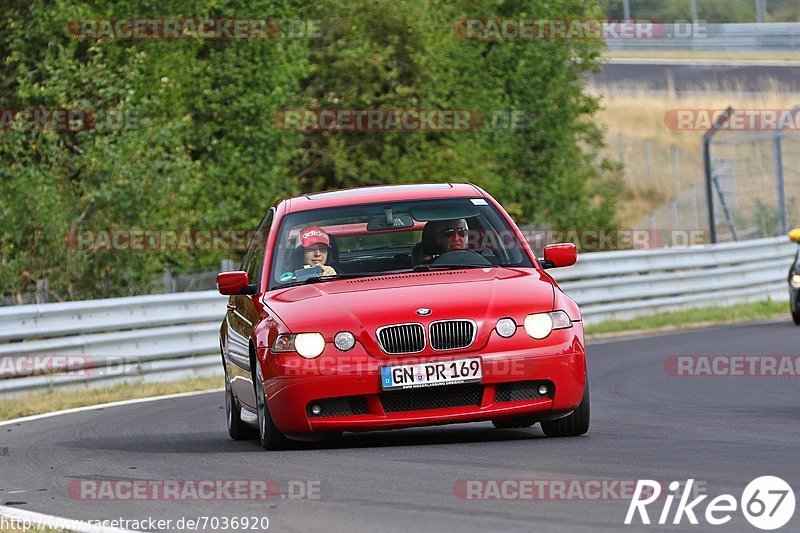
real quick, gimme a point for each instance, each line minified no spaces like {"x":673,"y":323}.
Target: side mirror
{"x":795,"y":235}
{"x":232,"y":283}
{"x":560,"y":255}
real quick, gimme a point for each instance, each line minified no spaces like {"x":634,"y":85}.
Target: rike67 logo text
{"x":767,"y":502}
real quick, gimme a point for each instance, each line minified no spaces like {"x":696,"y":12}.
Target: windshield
{"x":374,"y":239}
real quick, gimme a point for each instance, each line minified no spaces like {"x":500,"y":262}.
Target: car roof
{"x":382,"y":193}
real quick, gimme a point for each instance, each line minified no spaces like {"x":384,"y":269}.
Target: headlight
{"x":344,"y":340}
{"x":506,"y":327}
{"x":540,"y":325}
{"x":795,"y":281}
{"x":308,"y":345}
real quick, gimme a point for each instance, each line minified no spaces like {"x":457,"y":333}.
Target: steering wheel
{"x":461,"y":257}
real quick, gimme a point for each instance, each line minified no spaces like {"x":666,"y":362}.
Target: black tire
{"x":572,"y":425}
{"x":237,"y":429}
{"x":269,"y":436}
{"x":796,"y":317}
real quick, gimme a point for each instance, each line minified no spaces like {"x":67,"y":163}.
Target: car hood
{"x":362,"y":305}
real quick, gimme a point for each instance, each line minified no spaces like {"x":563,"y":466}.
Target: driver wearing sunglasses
{"x":452,"y":234}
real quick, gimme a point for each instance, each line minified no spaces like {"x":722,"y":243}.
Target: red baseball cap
{"x":313,"y":235}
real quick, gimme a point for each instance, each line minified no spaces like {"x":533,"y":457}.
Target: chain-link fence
{"x":662,"y":180}
{"x":754,"y":177}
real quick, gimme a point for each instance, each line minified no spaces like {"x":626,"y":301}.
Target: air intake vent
{"x":402,"y":338}
{"x":432,"y":398}
{"x":452,"y":334}
{"x":519,"y":391}
{"x":332,"y":407}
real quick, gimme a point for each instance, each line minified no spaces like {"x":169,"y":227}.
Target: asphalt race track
{"x":721,"y":431}
{"x":696,"y":76}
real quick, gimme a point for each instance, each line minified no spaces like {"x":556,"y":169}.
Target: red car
{"x":397,"y":306}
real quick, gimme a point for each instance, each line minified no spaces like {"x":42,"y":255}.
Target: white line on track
{"x":104,"y":405}
{"x":68,"y":523}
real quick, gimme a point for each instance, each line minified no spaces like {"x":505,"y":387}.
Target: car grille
{"x":402,"y":338}
{"x":452,"y":334}
{"x":350,"y":405}
{"x":432,"y":398}
{"x":522,"y":390}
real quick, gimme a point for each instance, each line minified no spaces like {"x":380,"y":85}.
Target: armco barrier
{"x":621,"y":285}
{"x":175,"y":335}
{"x":153,"y":338}
{"x":770,"y":36}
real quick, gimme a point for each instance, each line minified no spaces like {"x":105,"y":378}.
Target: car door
{"x":243,"y":315}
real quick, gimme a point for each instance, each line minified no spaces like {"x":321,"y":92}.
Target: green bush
{"x":204,"y":151}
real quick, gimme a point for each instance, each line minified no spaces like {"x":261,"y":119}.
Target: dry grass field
{"x":636,"y":132}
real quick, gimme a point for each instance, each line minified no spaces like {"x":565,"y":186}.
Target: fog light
{"x":506,"y":327}
{"x":795,"y":281}
{"x":316,"y":409}
{"x":344,"y":340}
{"x":543,"y":390}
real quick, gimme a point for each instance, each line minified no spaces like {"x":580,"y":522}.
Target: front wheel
{"x":268,"y":434}
{"x":796,"y":317}
{"x":577,"y":423}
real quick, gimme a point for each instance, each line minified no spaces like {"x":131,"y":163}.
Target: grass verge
{"x":690,"y":319}
{"x":56,"y":400}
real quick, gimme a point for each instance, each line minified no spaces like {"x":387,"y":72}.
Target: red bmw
{"x":398,"y":306}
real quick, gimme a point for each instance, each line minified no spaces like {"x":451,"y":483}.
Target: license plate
{"x":431,"y":374}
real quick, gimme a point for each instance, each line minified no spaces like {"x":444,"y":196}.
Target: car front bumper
{"x":347,"y":385}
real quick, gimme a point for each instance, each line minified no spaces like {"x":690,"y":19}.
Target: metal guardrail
{"x":174,"y":336}
{"x":154,"y":338}
{"x":753,"y":36}
{"x":627,"y":284}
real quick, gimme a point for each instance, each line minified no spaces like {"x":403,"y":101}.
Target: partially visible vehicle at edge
{"x":794,"y":279}
{"x":480,"y":333}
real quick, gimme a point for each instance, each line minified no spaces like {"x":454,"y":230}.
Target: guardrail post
{"x":41,"y":291}
{"x":169,"y":281}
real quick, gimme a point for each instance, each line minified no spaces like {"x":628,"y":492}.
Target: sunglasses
{"x":449,"y":232}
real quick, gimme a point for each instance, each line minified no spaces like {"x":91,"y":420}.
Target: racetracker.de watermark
{"x":160,"y":240}
{"x":43,"y":119}
{"x":733,"y":365}
{"x":216,"y":29}
{"x":67,"y":366}
{"x":738,"y":120}
{"x":193,"y":489}
{"x":588,"y":239}
{"x":530,"y":29}
{"x":550,"y":489}
{"x":310,"y":120}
